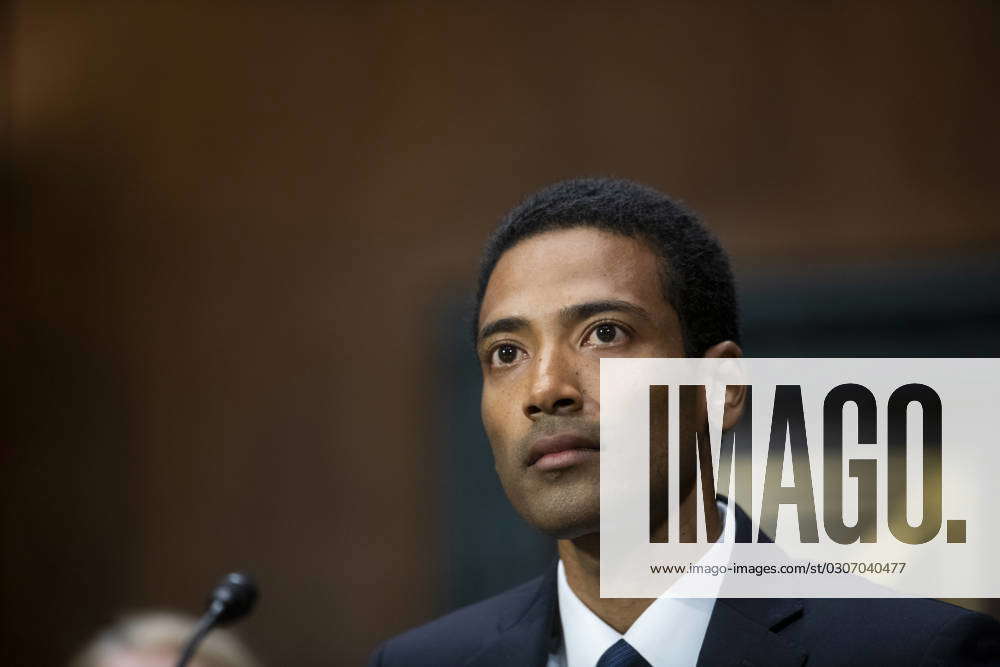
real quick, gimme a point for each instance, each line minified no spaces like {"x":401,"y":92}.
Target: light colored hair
{"x":162,"y":632}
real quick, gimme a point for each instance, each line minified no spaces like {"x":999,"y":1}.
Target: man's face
{"x":555,"y":304}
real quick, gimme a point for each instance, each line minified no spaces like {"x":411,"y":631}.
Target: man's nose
{"x":555,"y":387}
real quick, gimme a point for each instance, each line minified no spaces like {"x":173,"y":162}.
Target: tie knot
{"x":621,"y":654}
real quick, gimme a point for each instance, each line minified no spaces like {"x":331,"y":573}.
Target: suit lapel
{"x":525,"y":633}
{"x":740,"y":633}
{"x":743,"y":631}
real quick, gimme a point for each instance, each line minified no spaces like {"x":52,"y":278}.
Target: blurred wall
{"x":231,"y":226}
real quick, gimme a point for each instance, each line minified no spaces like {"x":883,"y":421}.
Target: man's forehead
{"x":545,"y":273}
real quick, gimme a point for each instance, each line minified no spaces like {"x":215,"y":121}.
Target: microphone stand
{"x":205,"y":624}
{"x":231,"y":600}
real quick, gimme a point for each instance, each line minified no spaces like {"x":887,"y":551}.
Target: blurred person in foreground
{"x":156,"y":639}
{"x":594,"y":268}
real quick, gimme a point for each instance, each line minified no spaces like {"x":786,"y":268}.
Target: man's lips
{"x":561,"y":451}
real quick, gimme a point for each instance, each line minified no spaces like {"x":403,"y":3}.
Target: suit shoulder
{"x":455,"y":637}
{"x":900,"y":631}
{"x":903,"y":614}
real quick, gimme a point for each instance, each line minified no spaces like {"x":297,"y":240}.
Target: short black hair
{"x":696,"y":276}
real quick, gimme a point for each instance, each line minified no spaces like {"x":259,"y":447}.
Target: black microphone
{"x":231,"y":600}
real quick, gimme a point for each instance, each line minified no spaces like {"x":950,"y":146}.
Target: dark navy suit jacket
{"x":521,"y":627}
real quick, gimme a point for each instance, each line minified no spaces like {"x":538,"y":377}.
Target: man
{"x":586,"y":269}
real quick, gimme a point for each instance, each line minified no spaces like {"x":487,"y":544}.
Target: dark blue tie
{"x":621,"y":654}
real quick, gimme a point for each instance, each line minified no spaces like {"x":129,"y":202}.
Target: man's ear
{"x":735,"y":394}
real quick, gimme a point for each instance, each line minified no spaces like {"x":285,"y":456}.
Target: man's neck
{"x":581,"y":557}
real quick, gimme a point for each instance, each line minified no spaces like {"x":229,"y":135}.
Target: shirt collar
{"x":669,"y":632}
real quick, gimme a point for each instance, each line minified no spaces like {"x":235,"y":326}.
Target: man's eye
{"x":606,"y":334}
{"x":504,"y":354}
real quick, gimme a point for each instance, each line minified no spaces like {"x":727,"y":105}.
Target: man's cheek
{"x":498,"y":442}
{"x":487,"y":407}
{"x":498,"y":410}
{"x":490,"y":426}
{"x":590,"y":383}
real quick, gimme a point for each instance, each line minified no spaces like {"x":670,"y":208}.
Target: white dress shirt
{"x":669,"y":633}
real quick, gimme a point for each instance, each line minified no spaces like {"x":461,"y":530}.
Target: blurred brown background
{"x":231,"y":228}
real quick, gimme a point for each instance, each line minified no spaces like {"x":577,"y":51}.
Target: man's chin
{"x":564,"y":504}
{"x":564,"y":521}
{"x":574,"y":531}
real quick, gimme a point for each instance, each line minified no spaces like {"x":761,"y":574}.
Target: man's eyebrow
{"x":503,"y":325}
{"x":582,"y":311}
{"x":576,"y":312}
